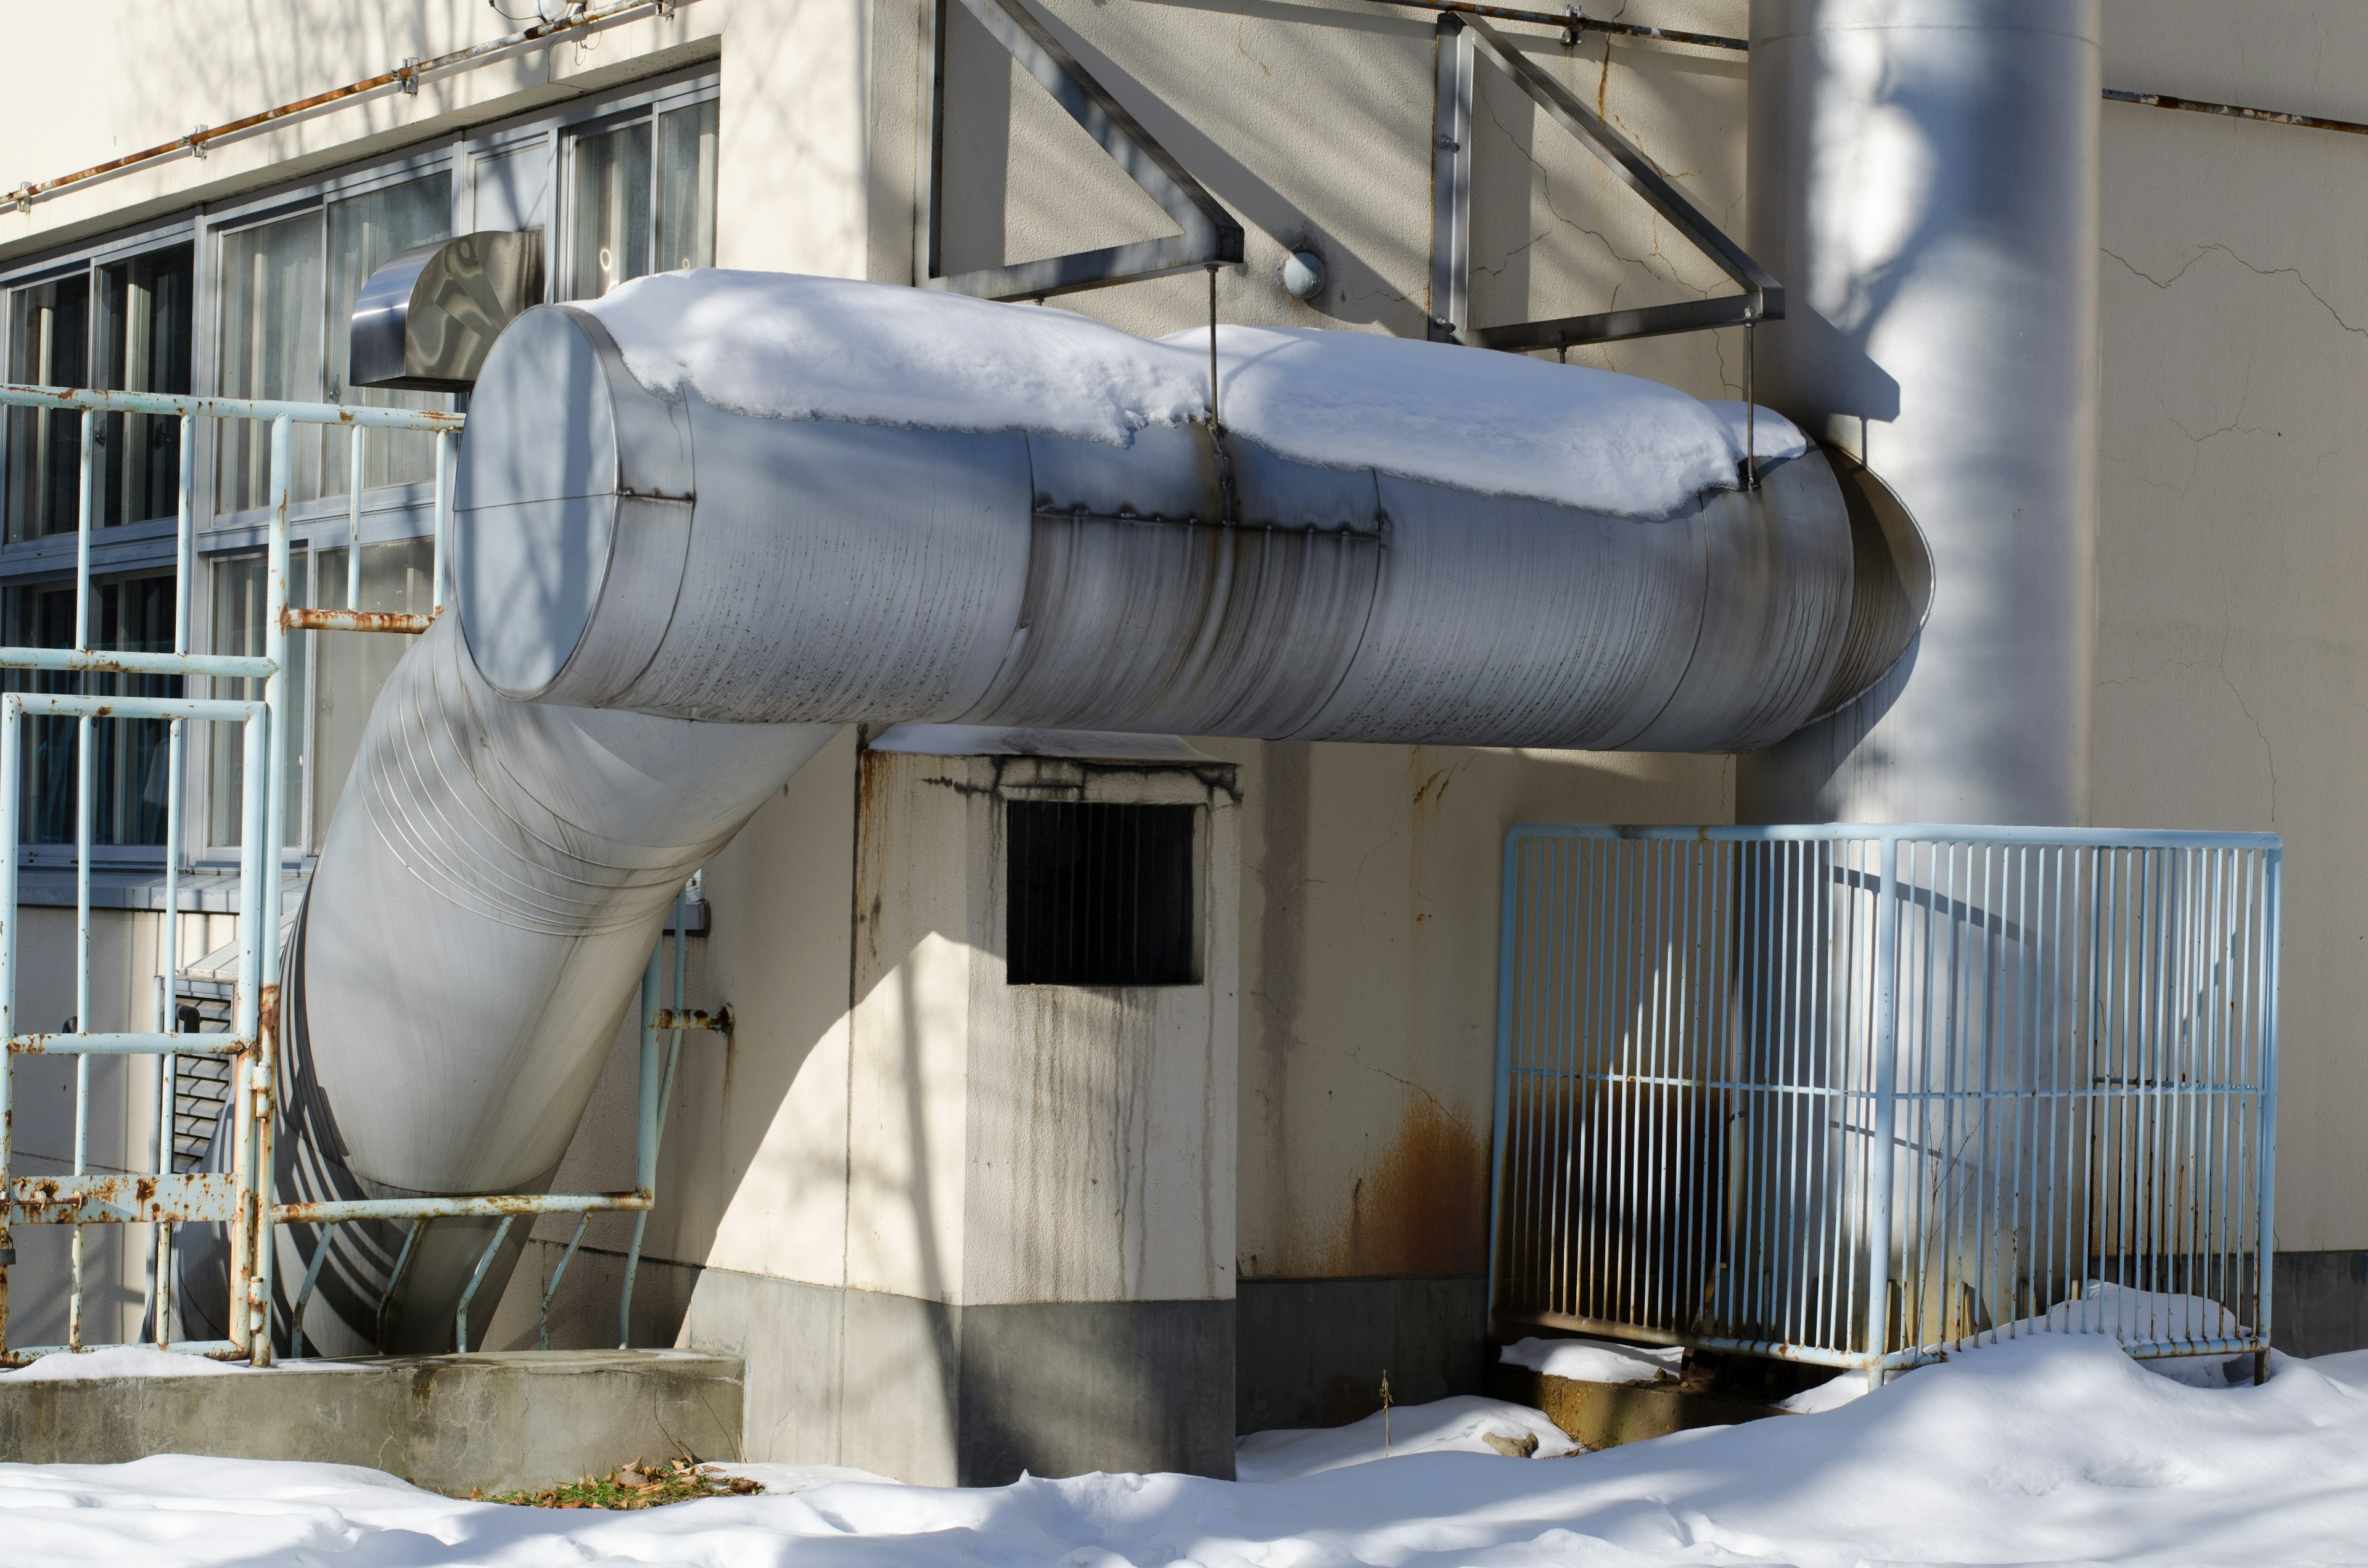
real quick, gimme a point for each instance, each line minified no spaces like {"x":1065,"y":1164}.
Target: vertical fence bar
{"x":11,"y":778}
{"x":82,"y":537}
{"x":443,"y":517}
{"x":1879,"y":1176}
{"x":1508,"y":939}
{"x":258,"y":1087}
{"x":645,"y":1147}
{"x":83,"y":803}
{"x":246,"y":1009}
{"x":176,"y":753}
{"x":354,"y":520}
{"x":2265,"y":1192}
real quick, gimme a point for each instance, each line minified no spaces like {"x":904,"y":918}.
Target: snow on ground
{"x":2049,"y":1449}
{"x":1596,"y":1361}
{"x":1459,"y":1425}
{"x":2118,"y":1312}
{"x":787,"y":347}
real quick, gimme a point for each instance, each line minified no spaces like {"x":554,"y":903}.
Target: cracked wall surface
{"x":2232,"y":658}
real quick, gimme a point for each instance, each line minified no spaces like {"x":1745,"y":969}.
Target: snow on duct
{"x":705,"y":519}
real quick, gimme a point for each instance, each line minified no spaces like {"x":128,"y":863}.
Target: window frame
{"x":34,"y":556}
{"x":612,"y":114}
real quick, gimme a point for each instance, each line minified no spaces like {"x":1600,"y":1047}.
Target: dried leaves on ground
{"x":633,"y":1487}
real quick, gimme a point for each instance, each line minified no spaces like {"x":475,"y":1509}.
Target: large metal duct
{"x":1923,"y":176}
{"x":667,"y":606}
{"x":618,"y":549}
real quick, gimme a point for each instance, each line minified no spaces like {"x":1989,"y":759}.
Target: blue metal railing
{"x":241,"y":1198}
{"x":1861,"y":1095}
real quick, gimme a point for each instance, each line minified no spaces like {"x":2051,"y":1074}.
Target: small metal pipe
{"x":83,"y":805}
{"x":650,"y":1129}
{"x":126,"y":1044}
{"x":354,"y":526}
{"x":62,"y":704}
{"x":543,"y":1317}
{"x":457,"y":1208}
{"x":484,"y":1261}
{"x":11,"y":745}
{"x":188,"y":405}
{"x":443,"y":519}
{"x":1217,"y":418}
{"x":1750,"y":413}
{"x":2202,"y":105}
{"x":298,"y":618}
{"x":82,"y":498}
{"x":404,"y":78}
{"x":1572,"y":21}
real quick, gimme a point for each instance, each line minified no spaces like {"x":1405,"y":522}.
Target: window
{"x":1099,"y":894}
{"x":634,"y":201}
{"x":351,"y":669}
{"x":145,"y":333}
{"x":288,"y":294}
{"x":128,"y":782}
{"x":238,"y":614}
{"x":49,"y":340}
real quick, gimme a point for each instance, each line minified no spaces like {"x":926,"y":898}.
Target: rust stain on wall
{"x":1422,"y":1207}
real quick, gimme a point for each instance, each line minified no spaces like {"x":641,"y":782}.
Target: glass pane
{"x":48,"y":333}
{"x":365,"y":231}
{"x":144,"y":345}
{"x":686,"y":189}
{"x":354,"y":666}
{"x":270,"y":347}
{"x":129,"y":783}
{"x":239,"y":597}
{"x":612,"y":210}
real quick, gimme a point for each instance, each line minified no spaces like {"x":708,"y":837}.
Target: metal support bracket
{"x":1462,"y":38}
{"x":1210,"y":237}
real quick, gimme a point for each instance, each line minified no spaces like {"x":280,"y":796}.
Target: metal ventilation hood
{"x":426,"y":318}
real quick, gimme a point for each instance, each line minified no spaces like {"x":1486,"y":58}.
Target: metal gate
{"x":1860,"y":1096}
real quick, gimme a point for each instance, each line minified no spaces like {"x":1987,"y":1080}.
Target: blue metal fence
{"x":1861,"y":1095}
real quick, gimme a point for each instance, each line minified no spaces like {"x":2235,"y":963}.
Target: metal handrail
{"x":241,"y":1198}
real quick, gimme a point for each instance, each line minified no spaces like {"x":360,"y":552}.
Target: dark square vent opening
{"x":1099,"y":894}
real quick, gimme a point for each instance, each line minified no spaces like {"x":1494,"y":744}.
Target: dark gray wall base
{"x":2319,"y":1302}
{"x":1064,"y":1388}
{"x":1312,"y":1352}
{"x":971,"y":1396}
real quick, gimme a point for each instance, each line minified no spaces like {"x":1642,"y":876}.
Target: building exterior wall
{"x":2232,"y":661}
{"x":2227,"y":661}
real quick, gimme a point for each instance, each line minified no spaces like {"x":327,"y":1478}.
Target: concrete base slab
{"x":1603,"y":1415}
{"x":498,"y":1421}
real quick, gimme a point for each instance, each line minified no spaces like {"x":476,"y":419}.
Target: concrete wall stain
{"x":1421,"y":1207}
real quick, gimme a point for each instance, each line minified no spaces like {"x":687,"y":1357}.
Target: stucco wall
{"x":2232,"y":659}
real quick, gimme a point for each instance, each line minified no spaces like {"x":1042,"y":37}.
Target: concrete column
{"x":1923,"y":179}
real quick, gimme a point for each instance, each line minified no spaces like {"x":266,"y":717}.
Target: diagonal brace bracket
{"x":1461,"y":39}
{"x":1209,"y":238}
